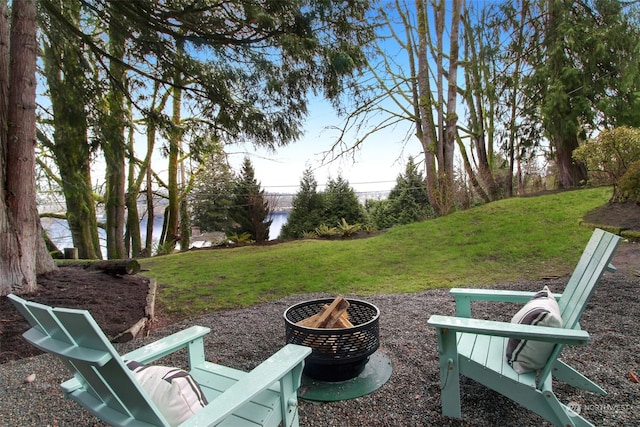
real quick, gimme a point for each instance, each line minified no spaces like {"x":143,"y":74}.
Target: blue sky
{"x":375,"y":166}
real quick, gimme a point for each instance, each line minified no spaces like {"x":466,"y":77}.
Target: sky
{"x":373,"y":168}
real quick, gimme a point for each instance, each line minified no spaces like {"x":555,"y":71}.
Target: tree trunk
{"x":134,"y":240}
{"x":475,"y":184}
{"x":451,"y":118}
{"x":571,"y":173}
{"x":114,"y":149}
{"x":148,"y":243}
{"x":185,"y":223}
{"x":172,"y":233}
{"x":23,"y":251}
{"x":70,"y":147}
{"x":7,"y":239}
{"x":426,"y":129}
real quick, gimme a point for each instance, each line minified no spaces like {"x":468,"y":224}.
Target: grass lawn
{"x":509,"y":240}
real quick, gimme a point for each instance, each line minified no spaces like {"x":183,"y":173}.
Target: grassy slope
{"x":514,"y":239}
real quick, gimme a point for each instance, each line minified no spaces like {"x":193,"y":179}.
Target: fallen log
{"x":117,"y":266}
{"x":132,"y":332}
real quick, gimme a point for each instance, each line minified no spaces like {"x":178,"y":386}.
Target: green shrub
{"x":347,"y":229}
{"x":629,"y":184}
{"x":610,"y":154}
{"x":240,"y":238}
{"x":323,"y":230}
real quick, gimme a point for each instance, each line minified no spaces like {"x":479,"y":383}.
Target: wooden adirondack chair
{"x":104,"y":385}
{"x":476,"y":348}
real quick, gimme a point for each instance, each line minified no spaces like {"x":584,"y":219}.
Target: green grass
{"x":508,"y":240}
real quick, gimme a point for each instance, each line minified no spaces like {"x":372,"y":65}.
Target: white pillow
{"x":526,"y":355}
{"x":173,"y":390}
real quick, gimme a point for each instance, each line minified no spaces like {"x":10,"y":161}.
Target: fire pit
{"x":338,"y":354}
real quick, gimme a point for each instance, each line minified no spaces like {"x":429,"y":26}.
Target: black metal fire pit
{"x":337,"y":354}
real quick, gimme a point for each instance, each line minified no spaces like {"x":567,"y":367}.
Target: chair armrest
{"x":464,"y":296}
{"x":510,"y":330}
{"x":153,"y":351}
{"x":167,"y":345}
{"x":259,"y":379}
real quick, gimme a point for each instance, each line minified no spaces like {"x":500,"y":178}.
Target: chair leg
{"x":567,"y":374}
{"x":449,"y":374}
{"x":289,"y":385}
{"x":566,"y":416}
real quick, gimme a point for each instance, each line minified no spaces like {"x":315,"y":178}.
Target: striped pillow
{"x":526,"y":355}
{"x":173,"y":390}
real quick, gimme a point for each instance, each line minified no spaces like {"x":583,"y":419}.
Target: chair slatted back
{"x":583,"y":282}
{"x":106,"y":386}
{"x":595,"y":260}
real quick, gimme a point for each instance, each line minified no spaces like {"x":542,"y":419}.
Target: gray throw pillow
{"x":526,"y":355}
{"x":173,"y":390}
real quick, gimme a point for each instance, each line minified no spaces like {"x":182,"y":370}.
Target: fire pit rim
{"x":329,"y":330}
{"x":338,"y":354}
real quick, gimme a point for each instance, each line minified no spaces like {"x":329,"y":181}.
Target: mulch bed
{"x":116,"y":303}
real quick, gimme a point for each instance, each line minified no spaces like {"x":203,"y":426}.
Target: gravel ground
{"x":242,"y":338}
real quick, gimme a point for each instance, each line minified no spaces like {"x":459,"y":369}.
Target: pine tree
{"x":341,"y":202}
{"x":251,"y":210}
{"x":409,"y":201}
{"x":213,"y":195}
{"x":308,"y":209}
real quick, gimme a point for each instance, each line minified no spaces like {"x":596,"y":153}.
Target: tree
{"x":423,"y":90}
{"x":308,"y":208}
{"x":70,"y":93}
{"x":482,"y":102}
{"x":341,"y":202}
{"x":407,"y":202}
{"x":251,"y":210}
{"x":212,"y":196}
{"x":23,"y":253}
{"x":246,"y":69}
{"x":379,"y":213}
{"x":585,"y":75}
{"x":408,"y":199}
{"x":113,"y":144}
{"x":170,"y":237}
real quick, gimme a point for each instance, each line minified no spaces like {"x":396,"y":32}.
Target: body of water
{"x":59,"y":233}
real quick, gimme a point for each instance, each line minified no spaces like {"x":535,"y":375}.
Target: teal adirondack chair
{"x":266,"y":396}
{"x":475,"y":348}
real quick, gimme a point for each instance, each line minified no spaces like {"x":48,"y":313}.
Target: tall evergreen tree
{"x":341,"y":202}
{"x":409,"y":200}
{"x":70,"y":93}
{"x":23,"y":253}
{"x":308,"y":208}
{"x":212,"y":196}
{"x":251,"y":210}
{"x":247,"y":69}
{"x":585,"y":74}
